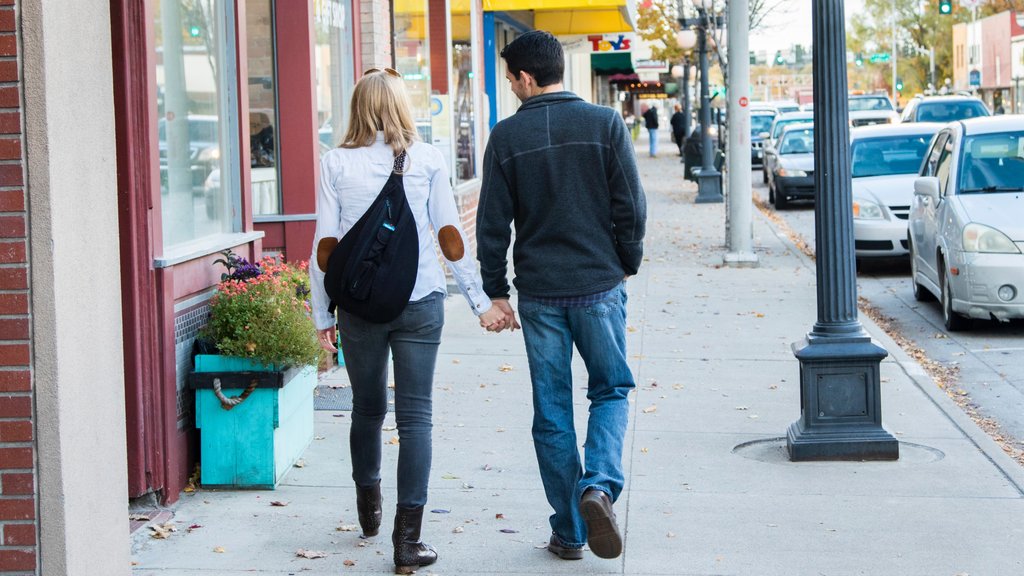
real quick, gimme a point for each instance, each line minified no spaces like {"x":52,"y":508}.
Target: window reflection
{"x":334,"y":69}
{"x":193,"y":123}
{"x":412,"y":59}
{"x":266,"y":194}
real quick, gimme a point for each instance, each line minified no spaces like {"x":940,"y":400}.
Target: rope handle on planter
{"x":229,"y":403}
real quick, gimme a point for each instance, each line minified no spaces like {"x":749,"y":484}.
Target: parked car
{"x":886,"y":160}
{"x":760,"y":123}
{"x":785,"y":106}
{"x":203,"y":147}
{"x":943,"y":109}
{"x":780,"y":122}
{"x":966,"y":228}
{"x":792,"y":175}
{"x":868,"y":109}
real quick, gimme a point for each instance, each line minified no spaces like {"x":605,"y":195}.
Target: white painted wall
{"x":75,"y":282}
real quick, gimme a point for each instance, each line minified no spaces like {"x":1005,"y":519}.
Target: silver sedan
{"x":966,"y":228}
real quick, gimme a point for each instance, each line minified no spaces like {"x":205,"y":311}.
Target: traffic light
{"x":899,"y":85}
{"x":945,"y":6}
{"x":779,"y":60}
{"x":858,"y":59}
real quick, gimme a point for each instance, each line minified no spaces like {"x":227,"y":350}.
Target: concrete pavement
{"x":709,"y":490}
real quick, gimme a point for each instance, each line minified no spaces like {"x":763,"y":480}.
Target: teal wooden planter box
{"x":253,"y":443}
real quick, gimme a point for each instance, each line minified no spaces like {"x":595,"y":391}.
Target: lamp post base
{"x":709,"y":187}
{"x":840,"y":402}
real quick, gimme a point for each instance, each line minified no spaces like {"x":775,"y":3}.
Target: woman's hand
{"x":495,"y":320}
{"x":325,"y":337}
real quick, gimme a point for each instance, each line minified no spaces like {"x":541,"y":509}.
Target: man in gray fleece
{"x":564,"y":171}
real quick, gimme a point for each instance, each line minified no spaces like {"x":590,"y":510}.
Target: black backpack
{"x":372,"y":270}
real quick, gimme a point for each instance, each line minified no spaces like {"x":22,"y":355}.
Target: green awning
{"x":611,"y":63}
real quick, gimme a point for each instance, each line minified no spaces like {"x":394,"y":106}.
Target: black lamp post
{"x":840,"y":401}
{"x":709,"y":180}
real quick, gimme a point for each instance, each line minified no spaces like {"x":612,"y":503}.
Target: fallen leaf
{"x":649,"y":409}
{"x":393,"y":441}
{"x":644,"y":450}
{"x":450,"y":477}
{"x":194,"y":527}
{"x":310,"y":554}
{"x":742,"y":408}
{"x":499,"y":516}
{"x":347,"y":528}
{"x":219,"y":550}
{"x":456,"y":361}
{"x":279,"y":503}
{"x":508,"y":531}
{"x":458,"y":530}
{"x":139,"y":517}
{"x":300,"y":463}
{"x":349,"y":562}
{"x":439,"y":511}
{"x":505,"y":368}
{"x":670,"y":535}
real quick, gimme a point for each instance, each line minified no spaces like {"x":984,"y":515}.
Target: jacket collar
{"x":549,"y":99}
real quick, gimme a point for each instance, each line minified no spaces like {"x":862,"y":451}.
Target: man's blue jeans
{"x":599,"y":332}
{"x":653,"y":133}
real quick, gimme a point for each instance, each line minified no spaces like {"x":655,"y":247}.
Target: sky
{"x":791,"y":24}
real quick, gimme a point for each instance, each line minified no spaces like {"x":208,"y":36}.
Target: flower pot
{"x":254,"y":420}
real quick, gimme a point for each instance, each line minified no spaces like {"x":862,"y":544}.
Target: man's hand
{"x":326,"y":340}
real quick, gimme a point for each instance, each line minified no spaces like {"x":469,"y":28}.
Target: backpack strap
{"x":400,"y":163}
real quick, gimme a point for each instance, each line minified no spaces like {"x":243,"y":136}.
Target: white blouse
{"x":351,"y":179}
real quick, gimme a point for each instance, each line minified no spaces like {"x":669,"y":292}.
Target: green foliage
{"x":657,"y":23}
{"x":266,"y":316}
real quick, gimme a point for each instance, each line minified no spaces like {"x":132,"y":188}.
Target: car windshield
{"x":760,"y":123}
{"x":787,"y":108}
{"x":782,"y":123}
{"x":876,"y":103}
{"x":799,"y":141}
{"x":992,"y":163}
{"x":950,"y":111}
{"x":887,"y":156}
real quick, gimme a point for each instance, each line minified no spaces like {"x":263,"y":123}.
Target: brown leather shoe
{"x":556,"y":547}
{"x":602,"y":531}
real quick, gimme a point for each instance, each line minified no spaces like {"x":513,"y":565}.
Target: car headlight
{"x":867,"y":210}
{"x":791,"y":173}
{"x":209,"y":155}
{"x":981,"y":238}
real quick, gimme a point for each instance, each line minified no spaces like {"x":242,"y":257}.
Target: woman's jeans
{"x":413,"y":339}
{"x":599,"y":332}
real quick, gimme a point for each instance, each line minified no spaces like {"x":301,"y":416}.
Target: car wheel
{"x":953,"y":321}
{"x":921,"y":294}
{"x":781,"y":203}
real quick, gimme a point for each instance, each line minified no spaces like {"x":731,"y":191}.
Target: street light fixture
{"x":709,"y":180}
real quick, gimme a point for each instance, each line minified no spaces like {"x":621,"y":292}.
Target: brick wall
{"x":375,"y":22}
{"x":18,"y":529}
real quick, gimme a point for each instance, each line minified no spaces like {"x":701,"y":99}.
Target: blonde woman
{"x":352,"y":175}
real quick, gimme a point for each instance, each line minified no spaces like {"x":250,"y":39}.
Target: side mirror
{"x":927,"y":187}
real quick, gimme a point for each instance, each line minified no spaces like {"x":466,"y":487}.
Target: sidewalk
{"x":709,"y":490}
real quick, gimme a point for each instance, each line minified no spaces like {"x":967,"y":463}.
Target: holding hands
{"x":499,"y":317}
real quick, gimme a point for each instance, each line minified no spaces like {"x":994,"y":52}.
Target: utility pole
{"x":741,"y":227}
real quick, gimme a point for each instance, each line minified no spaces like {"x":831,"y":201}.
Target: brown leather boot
{"x":368,"y":505}
{"x":410,"y":553}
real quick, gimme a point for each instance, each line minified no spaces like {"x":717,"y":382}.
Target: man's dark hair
{"x":538,"y":53}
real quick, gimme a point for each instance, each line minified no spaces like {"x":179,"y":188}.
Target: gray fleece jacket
{"x":564,"y":171}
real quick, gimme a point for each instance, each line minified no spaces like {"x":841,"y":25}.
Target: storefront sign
{"x":647,"y":65}
{"x":606,"y":43}
{"x":329,"y":13}
{"x":974,"y":77}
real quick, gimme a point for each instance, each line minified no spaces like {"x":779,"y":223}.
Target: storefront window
{"x":412,"y":59}
{"x":198,"y":165}
{"x":259,"y":39}
{"x":465,"y":119}
{"x":335,"y":76}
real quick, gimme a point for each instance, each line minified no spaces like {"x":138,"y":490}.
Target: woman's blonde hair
{"x":380,"y":104}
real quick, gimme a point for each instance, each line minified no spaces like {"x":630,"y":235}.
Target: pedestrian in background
{"x":678,"y":123}
{"x":564,"y":172}
{"x":381,"y":130}
{"x":631,"y":123}
{"x":651,"y":123}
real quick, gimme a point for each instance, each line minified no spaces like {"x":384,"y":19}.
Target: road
{"x":985,"y":362}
